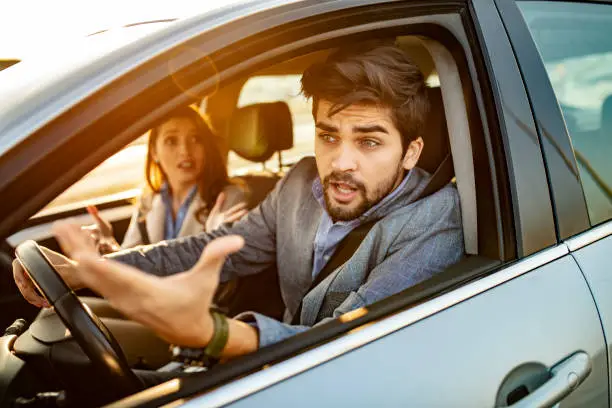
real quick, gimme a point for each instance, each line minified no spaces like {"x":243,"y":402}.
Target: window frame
{"x":476,"y":268}
{"x":568,"y":197}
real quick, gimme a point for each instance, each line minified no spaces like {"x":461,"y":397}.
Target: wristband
{"x":220,"y":336}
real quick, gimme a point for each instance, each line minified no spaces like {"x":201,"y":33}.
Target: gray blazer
{"x":413,"y":241}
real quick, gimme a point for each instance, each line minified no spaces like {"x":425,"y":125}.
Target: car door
{"x":528,"y":334}
{"x":571,"y":66}
{"x":525,"y":330}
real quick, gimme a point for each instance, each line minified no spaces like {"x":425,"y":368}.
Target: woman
{"x":188,"y":190}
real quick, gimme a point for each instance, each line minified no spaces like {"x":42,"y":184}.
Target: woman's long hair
{"x":213,"y":178}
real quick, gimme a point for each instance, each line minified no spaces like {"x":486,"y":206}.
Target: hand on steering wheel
{"x":89,"y":332}
{"x":63,"y":266}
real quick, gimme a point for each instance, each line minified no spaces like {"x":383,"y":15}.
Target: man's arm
{"x":176,"y":307}
{"x":175,"y":256}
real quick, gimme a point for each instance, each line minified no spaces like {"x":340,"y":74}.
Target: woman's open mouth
{"x":186,"y":165}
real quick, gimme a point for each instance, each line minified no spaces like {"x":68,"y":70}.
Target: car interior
{"x":260,"y":133}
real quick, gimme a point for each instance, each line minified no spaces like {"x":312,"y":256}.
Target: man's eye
{"x":327,"y":138}
{"x":369,"y":143}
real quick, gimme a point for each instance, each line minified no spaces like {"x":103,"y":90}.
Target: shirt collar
{"x":317,"y":191}
{"x":166,"y":196}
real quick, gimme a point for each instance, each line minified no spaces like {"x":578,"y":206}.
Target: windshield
{"x":51,"y":65}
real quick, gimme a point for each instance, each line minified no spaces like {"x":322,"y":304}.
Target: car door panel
{"x":460,"y":356}
{"x":594,"y":261}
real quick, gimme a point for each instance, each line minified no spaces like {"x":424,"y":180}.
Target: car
{"x":524,"y":319}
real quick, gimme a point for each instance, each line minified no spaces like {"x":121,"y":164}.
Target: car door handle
{"x":566,"y":376}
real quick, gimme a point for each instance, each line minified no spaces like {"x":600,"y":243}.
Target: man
{"x":369,"y":108}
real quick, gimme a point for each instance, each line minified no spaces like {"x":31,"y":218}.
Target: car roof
{"x":39,"y":89}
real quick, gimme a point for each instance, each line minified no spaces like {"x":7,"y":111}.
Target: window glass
{"x":575,"y":43}
{"x":119,"y":176}
{"x":272,"y":88}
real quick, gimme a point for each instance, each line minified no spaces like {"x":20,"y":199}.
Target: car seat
{"x":256,"y":132}
{"x":436,"y":158}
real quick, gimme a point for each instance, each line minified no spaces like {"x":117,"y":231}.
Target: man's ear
{"x":413,"y":152}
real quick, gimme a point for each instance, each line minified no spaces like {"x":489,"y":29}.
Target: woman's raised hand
{"x":218,"y":216}
{"x":101,"y":232}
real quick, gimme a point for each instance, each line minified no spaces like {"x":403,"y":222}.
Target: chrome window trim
{"x":590,"y":236}
{"x":356,"y":338}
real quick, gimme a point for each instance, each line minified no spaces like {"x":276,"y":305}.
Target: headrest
{"x":257,"y":131}
{"x":435,"y":133}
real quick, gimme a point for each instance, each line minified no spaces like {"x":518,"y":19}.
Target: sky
{"x":30,"y":25}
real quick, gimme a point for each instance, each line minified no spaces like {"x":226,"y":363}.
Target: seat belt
{"x":347,"y":247}
{"x":142,"y":228}
{"x":443,"y":174}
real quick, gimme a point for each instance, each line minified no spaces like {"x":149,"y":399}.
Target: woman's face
{"x":179,"y":151}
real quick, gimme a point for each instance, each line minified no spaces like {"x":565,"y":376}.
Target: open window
{"x":454,"y":130}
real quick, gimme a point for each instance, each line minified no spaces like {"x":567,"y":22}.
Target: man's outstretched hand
{"x":175,"y":307}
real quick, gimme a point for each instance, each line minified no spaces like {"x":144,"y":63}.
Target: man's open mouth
{"x":343,"y":192}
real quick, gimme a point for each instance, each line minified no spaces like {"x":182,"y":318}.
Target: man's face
{"x":359,"y":157}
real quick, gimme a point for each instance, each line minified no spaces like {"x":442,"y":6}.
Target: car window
{"x":575,"y":43}
{"x":119,"y":176}
{"x":272,"y":88}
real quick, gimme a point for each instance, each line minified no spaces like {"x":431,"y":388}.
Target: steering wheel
{"x":87,"y":329}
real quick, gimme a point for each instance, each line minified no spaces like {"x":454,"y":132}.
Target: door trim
{"x":590,"y":236}
{"x":561,"y":167}
{"x":359,"y":337}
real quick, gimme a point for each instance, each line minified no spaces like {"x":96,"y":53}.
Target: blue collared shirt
{"x":329,"y":233}
{"x":173,"y":225}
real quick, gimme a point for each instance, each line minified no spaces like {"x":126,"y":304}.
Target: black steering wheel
{"x":90,"y":333}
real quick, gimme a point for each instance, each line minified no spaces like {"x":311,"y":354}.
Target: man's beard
{"x":337,"y":212}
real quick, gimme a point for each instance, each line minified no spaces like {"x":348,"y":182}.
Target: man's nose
{"x":346,"y":159}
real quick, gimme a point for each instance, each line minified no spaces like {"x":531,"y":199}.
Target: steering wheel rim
{"x":96,"y":341}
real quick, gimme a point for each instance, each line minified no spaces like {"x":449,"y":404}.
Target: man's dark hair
{"x":376,"y":74}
